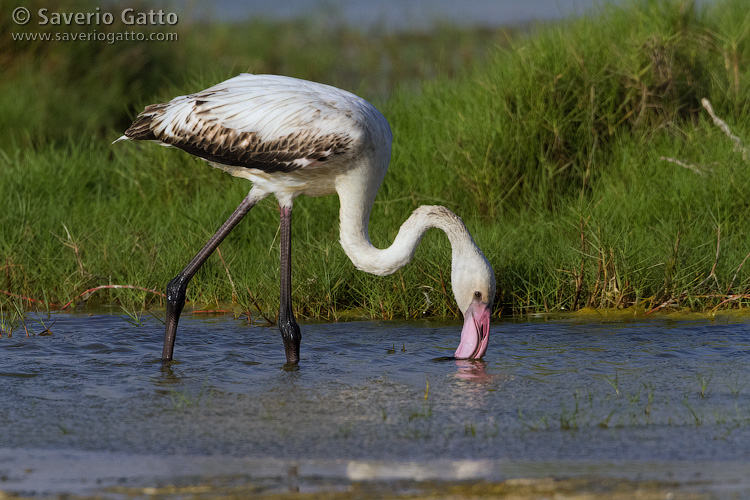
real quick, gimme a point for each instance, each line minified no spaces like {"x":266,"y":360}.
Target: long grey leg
{"x":177,"y":288}
{"x":287,"y":325}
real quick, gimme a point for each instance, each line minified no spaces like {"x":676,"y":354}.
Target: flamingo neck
{"x":355,"y":240}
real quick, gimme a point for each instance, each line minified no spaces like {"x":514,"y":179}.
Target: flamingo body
{"x":288,"y":136}
{"x":292,"y":137}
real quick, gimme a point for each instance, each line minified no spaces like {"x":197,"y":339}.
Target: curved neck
{"x":354,"y":218}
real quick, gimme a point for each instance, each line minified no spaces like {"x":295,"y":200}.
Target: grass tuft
{"x":581,"y":155}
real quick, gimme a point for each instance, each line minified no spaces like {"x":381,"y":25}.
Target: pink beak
{"x":475,"y":334}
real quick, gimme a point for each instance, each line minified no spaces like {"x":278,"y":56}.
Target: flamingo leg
{"x":288,"y":327}
{"x":177,"y":288}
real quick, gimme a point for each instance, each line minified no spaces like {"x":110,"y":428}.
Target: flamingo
{"x":292,"y":137}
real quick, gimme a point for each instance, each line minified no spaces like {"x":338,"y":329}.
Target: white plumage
{"x":292,"y":137}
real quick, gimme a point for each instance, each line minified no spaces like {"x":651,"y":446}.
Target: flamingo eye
{"x":477,"y":294}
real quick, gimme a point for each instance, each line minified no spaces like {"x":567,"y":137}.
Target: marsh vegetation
{"x":579,"y":154}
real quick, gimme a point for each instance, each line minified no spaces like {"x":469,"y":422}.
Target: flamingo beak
{"x":475,"y":334}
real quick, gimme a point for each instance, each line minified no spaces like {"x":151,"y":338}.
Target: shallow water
{"x":90,"y":407}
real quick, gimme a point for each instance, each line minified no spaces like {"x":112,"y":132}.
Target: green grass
{"x":557,"y":146}
{"x":549,"y":144}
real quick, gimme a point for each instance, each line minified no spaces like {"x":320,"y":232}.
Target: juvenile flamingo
{"x":293,"y":137}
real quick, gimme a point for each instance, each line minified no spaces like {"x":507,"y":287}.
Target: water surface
{"x":91,"y":407}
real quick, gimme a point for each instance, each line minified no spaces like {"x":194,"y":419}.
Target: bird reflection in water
{"x":473,"y":370}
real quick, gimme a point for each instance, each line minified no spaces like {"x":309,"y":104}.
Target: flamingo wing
{"x":265,"y":122}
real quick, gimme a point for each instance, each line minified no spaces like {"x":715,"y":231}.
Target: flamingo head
{"x":474,"y":290}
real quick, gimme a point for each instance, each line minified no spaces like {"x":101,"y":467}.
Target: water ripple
{"x":383,"y":390}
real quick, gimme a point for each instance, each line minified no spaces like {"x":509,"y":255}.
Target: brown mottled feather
{"x":213,"y":142}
